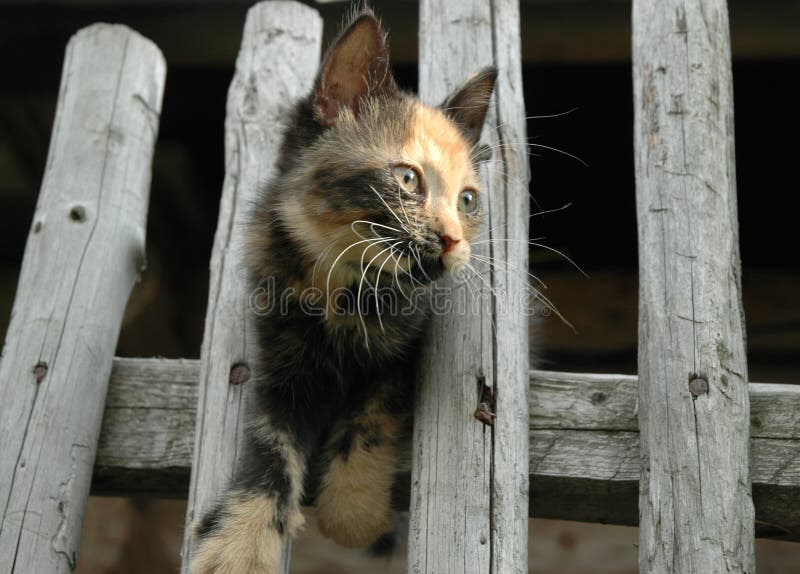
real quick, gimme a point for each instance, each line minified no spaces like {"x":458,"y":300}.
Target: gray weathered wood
{"x":469,"y":501}
{"x":695,"y":502}
{"x":84,"y":253}
{"x":147,"y":436}
{"x":276,"y":65}
{"x":584,"y":462}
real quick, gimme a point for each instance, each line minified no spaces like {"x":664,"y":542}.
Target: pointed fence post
{"x":696,"y":510}
{"x":84,"y":253}
{"x":277,"y":63}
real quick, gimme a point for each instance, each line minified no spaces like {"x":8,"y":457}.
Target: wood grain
{"x":277,"y":63}
{"x":583,"y":464}
{"x":695,"y":495}
{"x":84,"y":253}
{"x":469,"y":500}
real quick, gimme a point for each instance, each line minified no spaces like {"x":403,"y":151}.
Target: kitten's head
{"x":371,"y":178}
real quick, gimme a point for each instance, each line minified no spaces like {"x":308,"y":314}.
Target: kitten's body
{"x":370,"y":204}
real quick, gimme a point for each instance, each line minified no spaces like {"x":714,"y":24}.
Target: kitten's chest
{"x":372,"y":340}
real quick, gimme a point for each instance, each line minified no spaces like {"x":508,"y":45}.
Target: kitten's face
{"x":388,"y":187}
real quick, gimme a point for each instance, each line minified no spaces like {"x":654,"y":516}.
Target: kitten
{"x":376,"y":196}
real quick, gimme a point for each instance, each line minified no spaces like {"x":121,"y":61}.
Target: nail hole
{"x":698,"y":386}
{"x":598,"y":398}
{"x":77,"y":213}
{"x":40,"y":371}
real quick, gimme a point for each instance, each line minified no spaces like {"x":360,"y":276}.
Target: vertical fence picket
{"x":696,"y":511}
{"x":469,"y":500}
{"x":276,"y":65}
{"x":84,"y":253}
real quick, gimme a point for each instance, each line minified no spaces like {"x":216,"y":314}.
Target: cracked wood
{"x":695,"y":494}
{"x":469,"y":500}
{"x":276,"y":65}
{"x":84,"y":252}
{"x":584,"y":456}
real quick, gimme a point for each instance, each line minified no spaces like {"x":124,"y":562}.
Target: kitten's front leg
{"x":244,"y":534}
{"x":246,"y":531}
{"x":354,"y":499}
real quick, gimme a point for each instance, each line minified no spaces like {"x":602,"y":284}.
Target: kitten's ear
{"x":357,"y":65}
{"x":467,"y":106}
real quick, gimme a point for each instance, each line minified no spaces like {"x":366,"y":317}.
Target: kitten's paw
{"x":354,"y":501}
{"x":244,"y":535}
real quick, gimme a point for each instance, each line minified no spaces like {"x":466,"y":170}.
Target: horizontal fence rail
{"x":584,"y":457}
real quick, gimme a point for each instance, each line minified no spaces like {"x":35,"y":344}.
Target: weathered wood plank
{"x":84,"y":253}
{"x":695,"y":496}
{"x":469,"y":504}
{"x":150,"y":414}
{"x":608,"y":402}
{"x":584,"y":462}
{"x":276,"y":66}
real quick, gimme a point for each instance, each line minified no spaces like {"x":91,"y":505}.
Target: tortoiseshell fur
{"x":334,"y":391}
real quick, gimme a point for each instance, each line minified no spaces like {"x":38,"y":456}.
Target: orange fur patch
{"x":354,"y":505}
{"x":436,"y":145}
{"x":438,"y":148}
{"x":247,"y":540}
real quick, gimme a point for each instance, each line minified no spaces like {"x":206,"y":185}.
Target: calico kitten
{"x":376,"y":196}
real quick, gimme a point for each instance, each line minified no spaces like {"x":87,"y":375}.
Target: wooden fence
{"x":675,"y":443}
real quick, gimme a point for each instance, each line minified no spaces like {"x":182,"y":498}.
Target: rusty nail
{"x":698,"y":386}
{"x":483,"y":414}
{"x":485,"y":410}
{"x":240,"y":373}
{"x":40,"y":371}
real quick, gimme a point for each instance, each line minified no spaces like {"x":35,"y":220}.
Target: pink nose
{"x":448,"y":243}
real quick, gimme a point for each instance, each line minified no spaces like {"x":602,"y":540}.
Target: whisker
{"x":396,"y":277}
{"x":540,"y":245}
{"x":402,"y":205}
{"x":408,"y":271}
{"x":556,"y":251}
{"x":492,"y":261}
{"x":536,"y":293}
{"x":319,"y":260}
{"x":389,"y":208}
{"x":531,"y":216}
{"x":485,"y":281}
{"x":510,"y":144}
{"x":419,"y":261}
{"x":561,"y":151}
{"x":475,"y":272}
{"x":341,"y":254}
{"x":378,"y":280}
{"x":372,"y":225}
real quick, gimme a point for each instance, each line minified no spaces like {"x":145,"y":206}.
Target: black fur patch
{"x":210,"y":521}
{"x":384,"y":546}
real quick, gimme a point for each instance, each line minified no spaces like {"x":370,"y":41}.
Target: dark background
{"x":576,"y":58}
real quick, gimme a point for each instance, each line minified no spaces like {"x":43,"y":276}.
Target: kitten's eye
{"x":407,"y":178}
{"x":468,"y":202}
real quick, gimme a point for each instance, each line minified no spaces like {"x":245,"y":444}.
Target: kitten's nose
{"x":447,"y":243}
